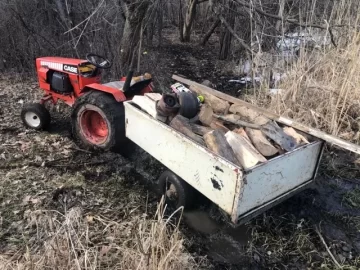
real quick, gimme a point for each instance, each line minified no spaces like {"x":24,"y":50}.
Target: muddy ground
{"x":46,"y":170}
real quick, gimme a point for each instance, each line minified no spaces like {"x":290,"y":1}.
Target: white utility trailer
{"x":242,"y":194}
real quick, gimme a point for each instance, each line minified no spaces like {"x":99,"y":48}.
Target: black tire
{"x":110,"y":110}
{"x":189,"y":105}
{"x":35,"y":116}
{"x":184,"y":192}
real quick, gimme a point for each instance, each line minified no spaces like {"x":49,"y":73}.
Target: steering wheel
{"x":98,"y":61}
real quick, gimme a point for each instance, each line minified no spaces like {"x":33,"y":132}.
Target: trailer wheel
{"x":176,"y":191}
{"x":35,"y":116}
{"x":98,"y":122}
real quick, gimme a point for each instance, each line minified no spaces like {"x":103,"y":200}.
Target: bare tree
{"x":135,"y":12}
{"x":189,"y":19}
{"x":226,"y":36}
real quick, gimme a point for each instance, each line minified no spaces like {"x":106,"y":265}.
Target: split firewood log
{"x":218,"y":105}
{"x":270,"y":129}
{"x":300,"y":139}
{"x":200,"y":130}
{"x":236,"y":120}
{"x":217,"y":142}
{"x":261,"y":143}
{"x":242,"y":132}
{"x":277,"y":134}
{"x":216,"y":124}
{"x":182,"y":124}
{"x":206,"y":115}
{"x":244,"y":151}
{"x":148,"y":104}
{"x":249,"y":114}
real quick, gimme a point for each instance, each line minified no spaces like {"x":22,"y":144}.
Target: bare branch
{"x":210,"y":32}
{"x":232,"y":31}
{"x":292,"y":21}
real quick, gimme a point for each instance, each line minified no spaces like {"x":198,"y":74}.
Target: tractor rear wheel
{"x":98,"y":122}
{"x":35,"y":116}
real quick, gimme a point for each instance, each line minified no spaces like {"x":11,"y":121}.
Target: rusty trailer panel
{"x":241,"y":194}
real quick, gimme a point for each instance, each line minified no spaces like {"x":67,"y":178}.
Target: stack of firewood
{"x":239,"y":134}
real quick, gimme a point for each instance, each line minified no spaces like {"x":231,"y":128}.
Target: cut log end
{"x":244,"y":151}
{"x":217,"y":142}
{"x":182,"y":124}
{"x":261,"y":143}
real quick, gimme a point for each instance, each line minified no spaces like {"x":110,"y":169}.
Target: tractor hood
{"x":62,"y":60}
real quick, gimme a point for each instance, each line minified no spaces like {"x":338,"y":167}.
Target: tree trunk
{"x":160,"y":23}
{"x":181,"y":21}
{"x":210,"y":32}
{"x":226,"y":37}
{"x":60,"y":5}
{"x":189,"y":19}
{"x":135,"y":13}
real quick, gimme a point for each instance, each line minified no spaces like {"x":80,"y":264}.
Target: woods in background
{"x":33,"y":28}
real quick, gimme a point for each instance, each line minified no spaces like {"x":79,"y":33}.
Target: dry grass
{"x":72,"y":241}
{"x":322,"y":90}
{"x":297,"y":244}
{"x":352,"y":198}
{"x":322,"y":85}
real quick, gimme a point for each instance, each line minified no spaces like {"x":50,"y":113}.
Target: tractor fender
{"x":116,"y":93}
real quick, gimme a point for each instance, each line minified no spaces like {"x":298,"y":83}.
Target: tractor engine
{"x":60,"y":83}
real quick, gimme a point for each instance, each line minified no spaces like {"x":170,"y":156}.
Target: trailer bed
{"x":242,"y":194}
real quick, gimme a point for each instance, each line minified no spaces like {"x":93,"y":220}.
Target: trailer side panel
{"x":211,"y":175}
{"x":280,"y":176}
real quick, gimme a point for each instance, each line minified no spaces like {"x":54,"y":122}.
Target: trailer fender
{"x":116,"y":93}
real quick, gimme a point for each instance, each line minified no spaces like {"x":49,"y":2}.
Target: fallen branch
{"x":327,"y":248}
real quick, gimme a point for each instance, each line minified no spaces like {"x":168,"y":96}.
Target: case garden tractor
{"x":98,"y":120}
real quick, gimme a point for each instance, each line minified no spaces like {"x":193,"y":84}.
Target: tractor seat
{"x":134,"y":89}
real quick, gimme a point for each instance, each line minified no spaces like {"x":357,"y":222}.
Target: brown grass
{"x":322,"y":85}
{"x":322,"y":90}
{"x":72,"y":241}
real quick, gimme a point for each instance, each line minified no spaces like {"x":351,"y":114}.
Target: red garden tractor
{"x":98,"y":120}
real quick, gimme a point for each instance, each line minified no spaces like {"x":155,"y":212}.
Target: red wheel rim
{"x":94,"y":126}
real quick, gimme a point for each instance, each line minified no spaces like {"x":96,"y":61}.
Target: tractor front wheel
{"x":35,"y":116}
{"x":98,"y":122}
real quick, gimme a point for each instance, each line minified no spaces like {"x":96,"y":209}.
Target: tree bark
{"x":135,"y":13}
{"x":210,"y":32}
{"x":181,"y":21}
{"x":189,"y":19}
{"x":67,"y":22}
{"x":226,"y":37}
{"x":216,"y":142}
{"x":182,"y":124}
